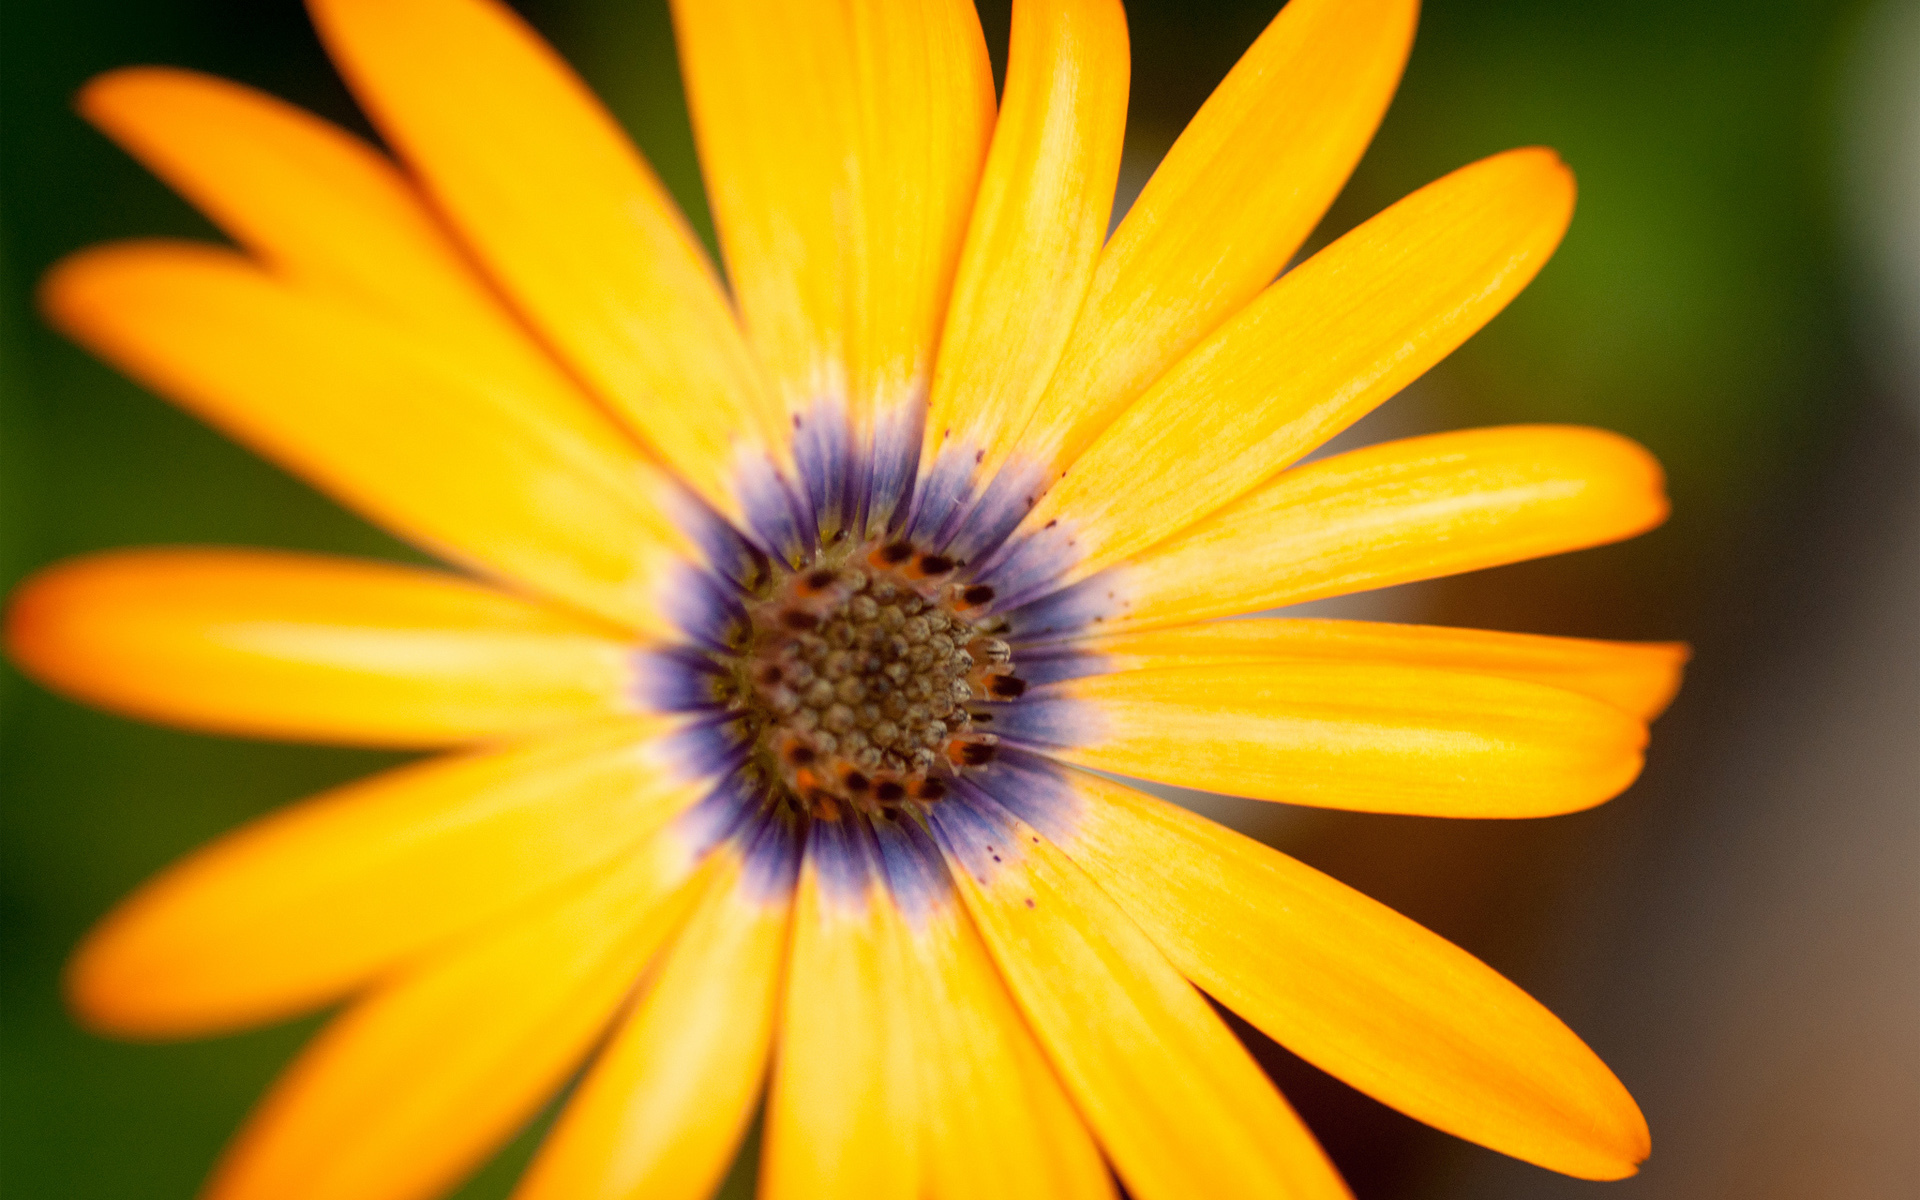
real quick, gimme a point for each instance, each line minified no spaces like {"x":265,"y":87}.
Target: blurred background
{"x":1738,"y":935}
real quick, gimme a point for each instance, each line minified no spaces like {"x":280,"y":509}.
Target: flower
{"x":798,"y":622}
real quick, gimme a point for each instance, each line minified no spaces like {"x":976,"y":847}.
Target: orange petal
{"x":1036,"y":233}
{"x":1638,"y":677}
{"x":905,"y":1069}
{"x":1371,"y":736}
{"x":413,"y":1087}
{"x":305,"y":904}
{"x":1228,"y":206}
{"x":844,"y":1075}
{"x":544,"y":187}
{"x":1332,"y":339}
{"x":662,"y":1112}
{"x":1393,"y":513}
{"x":1355,"y":988}
{"x":841,"y":146}
{"x":990,"y":1115}
{"x":298,"y":646}
{"x":319,"y":207}
{"x":415,"y":436}
{"x":1175,"y":1100}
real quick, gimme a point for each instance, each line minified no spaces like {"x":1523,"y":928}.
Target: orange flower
{"x":801,"y":614}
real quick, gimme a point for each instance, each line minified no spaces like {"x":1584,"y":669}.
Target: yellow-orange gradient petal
{"x":1332,"y":339}
{"x":414,"y":1086}
{"x":1638,"y":677}
{"x":1176,"y":1102}
{"x":318,"y":206}
{"x":1236,"y":196}
{"x":990,"y":1115}
{"x":844,"y":1075}
{"x":1393,"y":513}
{"x":552,"y":198}
{"x":305,"y":904}
{"x":841,"y":145}
{"x":1035,"y":235}
{"x":1369,"y":736}
{"x":664,"y":1108}
{"x":267,"y":644}
{"x":1355,"y":988}
{"x":408,"y":431}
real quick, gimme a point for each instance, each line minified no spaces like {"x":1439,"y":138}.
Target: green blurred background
{"x":1736,"y":935}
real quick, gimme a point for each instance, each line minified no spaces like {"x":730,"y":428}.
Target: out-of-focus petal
{"x":402,"y":428}
{"x":662,"y":1111}
{"x":320,"y":207}
{"x":554,"y":201}
{"x":414,"y":1086}
{"x":270,"y":644}
{"x":306,"y":904}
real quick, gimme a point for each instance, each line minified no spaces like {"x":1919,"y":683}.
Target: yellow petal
{"x":414,"y":1086}
{"x":990,"y":1116}
{"x":1393,"y":513}
{"x":1332,"y":339}
{"x":545,"y":188}
{"x":413,"y":435}
{"x":1175,"y":1100}
{"x":1235,"y":197}
{"x":319,"y":207}
{"x":1035,"y":235}
{"x":844,"y":1075}
{"x":299,"y":646}
{"x":305,"y":904}
{"x":663,"y":1109}
{"x":841,"y":146}
{"x":1638,"y":677}
{"x":1354,"y":987}
{"x":1371,"y":736}
{"x":904,"y":1067}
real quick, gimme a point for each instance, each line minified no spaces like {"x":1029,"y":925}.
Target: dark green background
{"x":1702,"y":304}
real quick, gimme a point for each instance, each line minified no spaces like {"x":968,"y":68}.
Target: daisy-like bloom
{"x":799,"y":615}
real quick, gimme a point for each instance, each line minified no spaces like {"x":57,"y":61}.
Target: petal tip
{"x":57,"y":292}
{"x":1674,"y":657}
{"x":122,"y":980}
{"x":127,"y":92}
{"x":104,"y":95}
{"x":1544,"y":164}
{"x":71,"y":289}
{"x":38,"y":630}
{"x":102,"y":997}
{"x":23,"y":622}
{"x":1619,"y":1150}
{"x":1621,"y":468}
{"x":1626,"y":774}
{"x":1640,"y":469}
{"x":1542,"y":186}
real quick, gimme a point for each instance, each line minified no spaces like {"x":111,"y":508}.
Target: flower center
{"x":860,"y":678}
